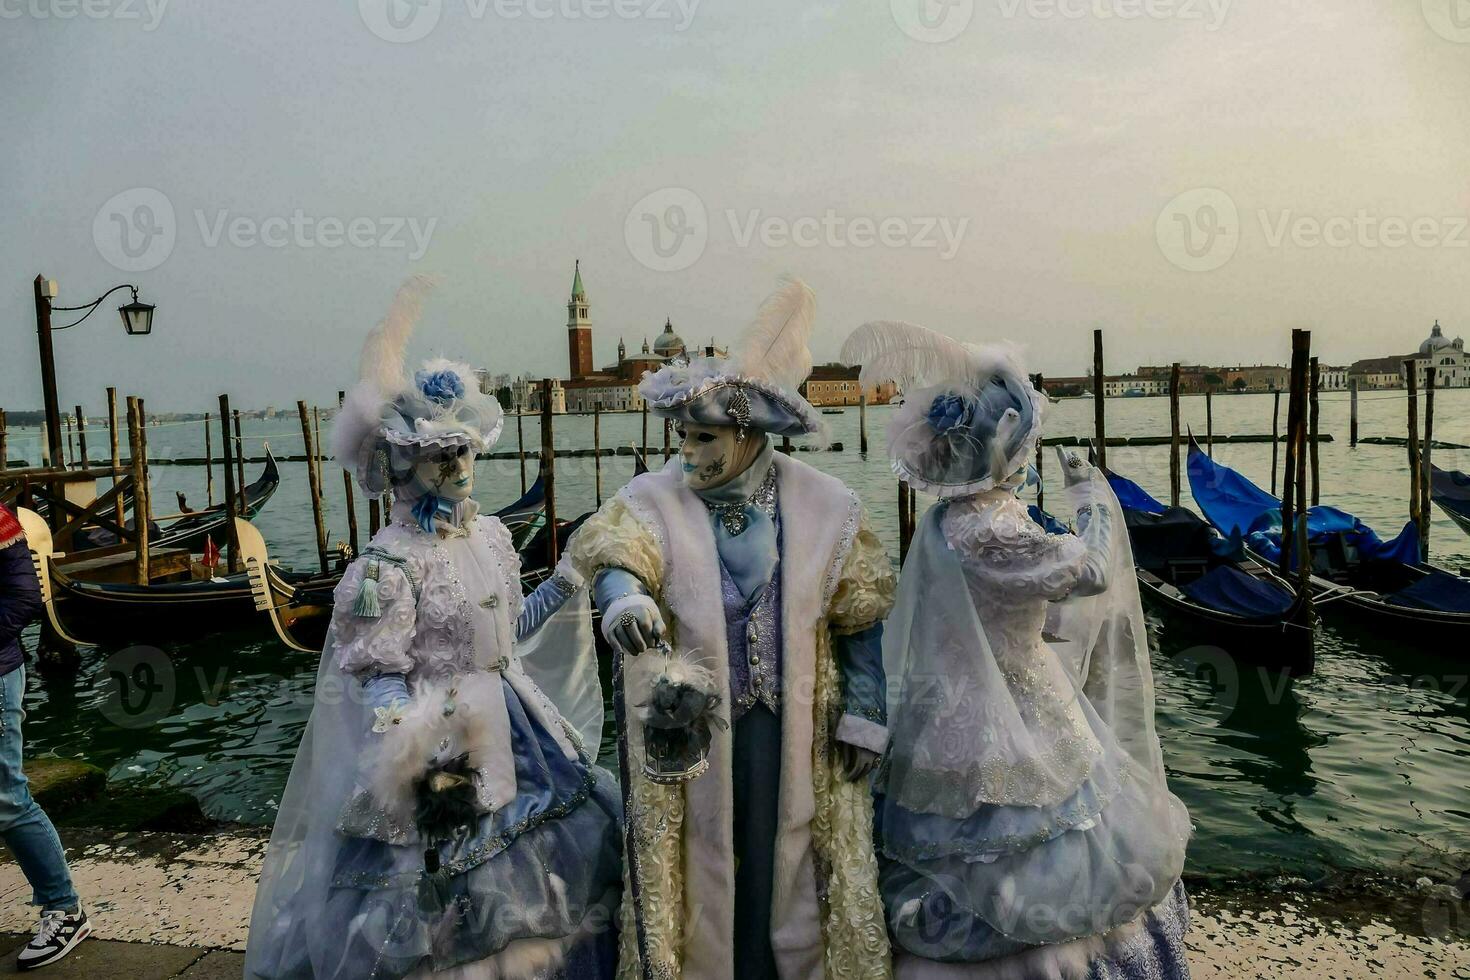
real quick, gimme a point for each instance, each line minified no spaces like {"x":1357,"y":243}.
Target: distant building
{"x":838,"y":384}
{"x":1135,"y":384}
{"x":1259,"y":377}
{"x":1332,"y":378}
{"x":1377,"y":372}
{"x":1448,"y":358}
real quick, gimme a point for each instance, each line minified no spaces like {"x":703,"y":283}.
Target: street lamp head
{"x":137,"y":317}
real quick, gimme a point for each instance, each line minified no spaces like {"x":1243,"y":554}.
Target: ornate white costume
{"x":443,"y":818}
{"x":1026,"y":828}
{"x":762,"y":866}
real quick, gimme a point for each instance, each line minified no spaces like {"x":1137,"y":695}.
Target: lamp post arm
{"x":92,"y":306}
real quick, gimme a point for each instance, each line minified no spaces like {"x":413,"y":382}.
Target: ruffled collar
{"x":427,"y":511}
{"x":995,"y":517}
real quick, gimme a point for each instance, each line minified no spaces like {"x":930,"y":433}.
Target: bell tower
{"x":579,"y":328}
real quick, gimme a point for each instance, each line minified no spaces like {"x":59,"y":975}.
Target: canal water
{"x":1362,"y":767}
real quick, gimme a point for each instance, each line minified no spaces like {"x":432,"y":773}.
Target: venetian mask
{"x":448,"y":473}
{"x":715,"y":454}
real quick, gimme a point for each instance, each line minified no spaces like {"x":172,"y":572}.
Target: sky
{"x":1195,"y":177}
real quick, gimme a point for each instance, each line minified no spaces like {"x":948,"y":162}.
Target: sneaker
{"x":58,"y":934}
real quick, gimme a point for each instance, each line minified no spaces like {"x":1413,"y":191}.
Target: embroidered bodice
{"x":426,"y":627}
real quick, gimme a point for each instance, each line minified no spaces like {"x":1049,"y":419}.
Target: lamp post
{"x":137,"y":321}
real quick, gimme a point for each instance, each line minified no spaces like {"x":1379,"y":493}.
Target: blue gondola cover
{"x":1134,"y":497}
{"x":1227,"y":589}
{"x":1437,"y":590}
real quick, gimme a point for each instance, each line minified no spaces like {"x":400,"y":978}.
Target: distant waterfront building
{"x":1377,"y":372}
{"x":837,"y":384}
{"x":1332,"y":378}
{"x":1258,"y":377}
{"x":1135,"y":384}
{"x":1450,"y":362}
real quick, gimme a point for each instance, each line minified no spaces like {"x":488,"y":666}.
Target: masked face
{"x":710,"y":454}
{"x":449,"y":474}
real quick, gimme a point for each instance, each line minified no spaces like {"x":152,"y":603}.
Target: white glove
{"x":1075,"y":468}
{"x":633,"y":624}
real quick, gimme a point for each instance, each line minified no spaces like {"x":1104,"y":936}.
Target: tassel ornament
{"x":367,"y":605}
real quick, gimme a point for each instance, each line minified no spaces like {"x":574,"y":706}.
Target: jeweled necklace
{"x":733,"y":516}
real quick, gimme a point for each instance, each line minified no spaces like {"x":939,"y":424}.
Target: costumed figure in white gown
{"x":1025,"y":826}
{"x":763,"y":575}
{"x":443,"y":817}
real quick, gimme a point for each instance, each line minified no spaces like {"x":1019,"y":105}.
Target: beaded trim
{"x":844,"y":546}
{"x":732,"y":516}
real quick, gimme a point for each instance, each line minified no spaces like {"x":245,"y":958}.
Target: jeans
{"x":26,"y":828}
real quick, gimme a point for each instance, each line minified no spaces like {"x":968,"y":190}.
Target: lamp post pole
{"x":48,"y":373}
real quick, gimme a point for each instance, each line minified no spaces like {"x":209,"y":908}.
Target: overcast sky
{"x":1194,"y":179}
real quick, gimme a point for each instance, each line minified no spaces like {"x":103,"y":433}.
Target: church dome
{"x":1435,"y":341}
{"x":668,"y":344}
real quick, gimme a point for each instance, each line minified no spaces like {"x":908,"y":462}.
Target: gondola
{"x":192,"y":529}
{"x":1380,"y":583}
{"x":1450,"y":489}
{"x":94,"y":612}
{"x":1206,"y":583}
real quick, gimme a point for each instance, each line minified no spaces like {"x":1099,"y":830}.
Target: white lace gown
{"x":1025,"y":826}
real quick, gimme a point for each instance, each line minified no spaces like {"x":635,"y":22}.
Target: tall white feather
{"x":911,"y":355}
{"x":776,"y":345}
{"x":384,"y":351}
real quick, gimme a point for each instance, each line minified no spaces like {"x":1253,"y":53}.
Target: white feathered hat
{"x":970,"y":416}
{"x":758,"y":386}
{"x":390,"y":421}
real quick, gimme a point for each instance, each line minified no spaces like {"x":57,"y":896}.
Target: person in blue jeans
{"x":26,"y":828}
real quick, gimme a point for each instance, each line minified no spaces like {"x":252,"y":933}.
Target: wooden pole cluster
{"x":1353,"y":413}
{"x":1416,"y":500}
{"x":349,"y":494}
{"x":863,"y":423}
{"x":1294,"y":496}
{"x":548,"y":473}
{"x":1313,"y":423}
{"x":1099,"y":394}
{"x":314,"y":481}
{"x":228,"y":462}
{"x":139,"y":461}
{"x":1174,"y":486}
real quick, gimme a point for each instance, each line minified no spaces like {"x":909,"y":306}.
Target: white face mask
{"x":449,"y":474}
{"x":711,"y":454}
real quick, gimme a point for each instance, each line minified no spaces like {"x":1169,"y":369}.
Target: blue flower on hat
{"x":950,"y":410}
{"x":440,"y":386}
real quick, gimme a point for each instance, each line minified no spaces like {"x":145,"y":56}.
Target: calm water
{"x":1361,"y":767}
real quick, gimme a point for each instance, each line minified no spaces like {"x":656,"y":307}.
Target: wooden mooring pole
{"x":668,"y":438}
{"x":1275,"y":436}
{"x":242,"y":508}
{"x":1174,"y":486}
{"x":1426,"y":463}
{"x":4,"y":443}
{"x":521,"y":446}
{"x":1040,"y":383}
{"x":645,"y":432}
{"x":863,"y":423}
{"x":228,"y":465}
{"x":903,"y":522}
{"x":1416,"y":513}
{"x":548,"y":473}
{"x":347,"y":491}
{"x":71,"y":448}
{"x":112,"y":440}
{"x":1210,"y":423}
{"x":82,"y":438}
{"x":1099,"y":395}
{"x":1295,"y":435}
{"x":140,"y":506}
{"x":314,"y":482}
{"x":208,"y":461}
{"x":597,"y":450}
{"x":1314,"y":420}
{"x":1352,"y":413}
